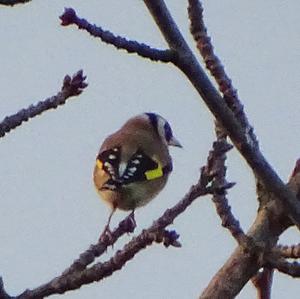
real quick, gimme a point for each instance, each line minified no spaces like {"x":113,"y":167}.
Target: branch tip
{"x":169,"y":238}
{"x":68,"y":16}
{"x":72,"y":86}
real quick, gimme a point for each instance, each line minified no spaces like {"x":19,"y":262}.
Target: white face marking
{"x":112,"y":157}
{"x":160,"y":128}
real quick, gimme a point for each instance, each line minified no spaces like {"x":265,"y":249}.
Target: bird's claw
{"x":106,"y":236}
{"x":132,"y":218}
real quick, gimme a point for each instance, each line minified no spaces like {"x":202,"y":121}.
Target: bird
{"x":134,"y":163}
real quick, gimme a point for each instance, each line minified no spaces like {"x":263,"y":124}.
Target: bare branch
{"x":212,"y":62}
{"x":78,"y":274}
{"x":292,"y":252}
{"x":215,"y":66}
{"x":69,"y":17}
{"x":216,"y":168}
{"x":13,"y":2}
{"x":155,"y":233}
{"x":228,"y":220}
{"x":249,"y":257}
{"x":263,"y":283}
{"x":240,"y":267}
{"x":189,"y":65}
{"x":94,"y":251}
{"x":282,"y":265}
{"x":98,"y":271}
{"x":71,"y":87}
{"x":3,"y":294}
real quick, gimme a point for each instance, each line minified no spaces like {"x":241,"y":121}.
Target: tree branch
{"x":94,"y":251}
{"x":216,"y":167}
{"x":69,"y":17}
{"x":71,"y":87}
{"x":3,"y":294}
{"x":13,"y":2}
{"x":291,"y":252}
{"x":282,"y":265}
{"x":245,"y":261}
{"x":99,"y":271}
{"x":216,"y":69}
{"x":214,"y":65}
{"x":265,"y":231}
{"x":189,"y":65}
{"x":78,"y":274}
{"x":263,"y":283}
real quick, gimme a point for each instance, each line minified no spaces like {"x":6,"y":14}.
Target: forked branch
{"x":72,"y":86}
{"x":69,"y":17}
{"x":79,"y":274}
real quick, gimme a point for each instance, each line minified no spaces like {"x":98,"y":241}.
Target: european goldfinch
{"x":133,"y":164}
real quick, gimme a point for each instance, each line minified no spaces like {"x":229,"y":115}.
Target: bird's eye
{"x":168,"y":132}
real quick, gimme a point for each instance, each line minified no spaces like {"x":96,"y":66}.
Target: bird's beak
{"x":173,"y":141}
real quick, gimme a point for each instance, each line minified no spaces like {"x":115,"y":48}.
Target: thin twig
{"x":71,"y":87}
{"x":214,"y":65}
{"x":199,"y":33}
{"x":282,"y":265}
{"x":78,"y":275}
{"x":94,"y":251}
{"x":263,"y":282}
{"x":13,"y":2}
{"x":3,"y":294}
{"x":101,"y":270}
{"x":69,"y":17}
{"x":292,"y":251}
{"x":219,"y":198}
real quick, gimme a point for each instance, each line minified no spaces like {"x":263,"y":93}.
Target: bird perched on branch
{"x":133,"y":164}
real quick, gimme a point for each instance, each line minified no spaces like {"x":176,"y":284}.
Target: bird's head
{"x":163,"y":129}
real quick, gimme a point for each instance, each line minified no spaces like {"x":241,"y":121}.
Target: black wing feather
{"x":111,"y":160}
{"x":138,"y":164}
{"x":135,"y":170}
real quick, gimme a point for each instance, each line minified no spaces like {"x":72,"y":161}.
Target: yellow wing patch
{"x":154,"y":173}
{"x":99,"y":164}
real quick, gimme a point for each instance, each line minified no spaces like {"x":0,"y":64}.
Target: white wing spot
{"x":132,"y":169}
{"x":136,"y":162}
{"x":112,"y":157}
{"x":115,"y":149}
{"x":122,"y":168}
{"x":112,"y":187}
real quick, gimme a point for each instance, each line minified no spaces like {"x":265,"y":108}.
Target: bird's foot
{"x":106,"y":235}
{"x":132,"y":220}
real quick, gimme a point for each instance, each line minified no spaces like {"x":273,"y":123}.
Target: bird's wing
{"x":141,"y":167}
{"x":109,"y":160}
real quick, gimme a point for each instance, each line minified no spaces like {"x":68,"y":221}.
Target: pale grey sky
{"x":50,"y":211}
